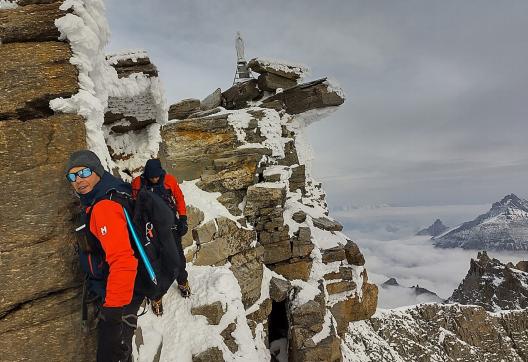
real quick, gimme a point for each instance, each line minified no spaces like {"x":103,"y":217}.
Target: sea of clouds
{"x":386,"y":237}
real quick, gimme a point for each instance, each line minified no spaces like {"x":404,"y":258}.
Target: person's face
{"x":154,"y":180}
{"x":84,"y":185}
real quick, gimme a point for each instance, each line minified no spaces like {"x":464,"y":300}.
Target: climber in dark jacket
{"x":107,"y":258}
{"x":156,"y":179}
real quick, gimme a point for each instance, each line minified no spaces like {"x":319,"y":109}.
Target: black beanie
{"x":85,"y":158}
{"x":153,"y":168}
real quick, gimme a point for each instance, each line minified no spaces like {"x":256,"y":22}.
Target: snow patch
{"x":177,"y":325}
{"x":307,"y":292}
{"x":207,"y":202}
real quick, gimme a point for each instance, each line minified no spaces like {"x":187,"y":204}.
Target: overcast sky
{"x":437,"y":91}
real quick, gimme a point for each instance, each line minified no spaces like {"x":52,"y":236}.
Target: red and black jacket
{"x":170,"y":191}
{"x":108,"y":259}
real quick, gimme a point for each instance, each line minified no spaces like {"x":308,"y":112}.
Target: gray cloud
{"x":437,"y":91}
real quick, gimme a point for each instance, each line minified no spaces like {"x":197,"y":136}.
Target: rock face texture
{"x":31,"y":74}
{"x":503,"y":227}
{"x":40,"y":293}
{"x":493,"y":285}
{"x":433,"y":332}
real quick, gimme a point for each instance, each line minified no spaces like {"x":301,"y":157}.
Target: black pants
{"x":114,"y":338}
{"x":181,"y":275}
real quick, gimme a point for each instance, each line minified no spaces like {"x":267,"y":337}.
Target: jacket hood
{"x":152,"y":168}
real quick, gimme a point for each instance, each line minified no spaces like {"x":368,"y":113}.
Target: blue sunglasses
{"x":84,"y":173}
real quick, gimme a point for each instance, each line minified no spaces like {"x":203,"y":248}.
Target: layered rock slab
{"x":42,"y":261}
{"x":31,"y":74}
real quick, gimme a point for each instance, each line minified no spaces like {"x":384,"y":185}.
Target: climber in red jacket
{"x":107,"y":256}
{"x":157,"y":180}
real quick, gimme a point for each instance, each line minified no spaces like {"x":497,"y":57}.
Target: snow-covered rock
{"x":434,"y":332}
{"x":252,"y":163}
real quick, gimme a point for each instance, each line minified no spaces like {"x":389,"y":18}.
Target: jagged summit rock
{"x":279,"y":68}
{"x":435,"y":229}
{"x":493,"y":285}
{"x":503,"y":227}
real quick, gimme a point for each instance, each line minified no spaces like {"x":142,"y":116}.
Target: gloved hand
{"x":183,"y":227}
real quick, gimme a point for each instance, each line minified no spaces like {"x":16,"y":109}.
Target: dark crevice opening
{"x":278,"y":327}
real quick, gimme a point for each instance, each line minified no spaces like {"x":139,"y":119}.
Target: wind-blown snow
{"x":142,"y":145}
{"x":6,"y":4}
{"x":87,"y":32}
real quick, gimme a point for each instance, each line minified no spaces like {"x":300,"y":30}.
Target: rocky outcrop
{"x":183,"y":108}
{"x":434,"y":332}
{"x":279,"y":68}
{"x":40,"y":293}
{"x":434,"y":229}
{"x":278,"y":78}
{"x":492,"y":285}
{"x":240,"y":94}
{"x":307,"y":96}
{"x":271,"y":82}
{"x":246,"y":157}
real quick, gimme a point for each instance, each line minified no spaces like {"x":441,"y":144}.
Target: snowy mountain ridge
{"x":503,"y":227}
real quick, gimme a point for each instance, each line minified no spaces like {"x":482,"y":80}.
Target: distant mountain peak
{"x":503,"y":227}
{"x":512,"y":201}
{"x":391,"y":282}
{"x":435,"y":229}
